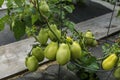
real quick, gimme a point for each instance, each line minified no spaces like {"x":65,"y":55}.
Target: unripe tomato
{"x":94,"y":43}
{"x":43,"y":36}
{"x":89,"y":38}
{"x":44,"y":8}
{"x":38,"y":53}
{"x":75,"y":50}
{"x":63,"y":54}
{"x":116,"y":72}
{"x":32,"y":63}
{"x":69,"y":39}
{"x":51,"y":50}
{"x":56,"y":32}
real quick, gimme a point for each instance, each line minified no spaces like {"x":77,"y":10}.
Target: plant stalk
{"x":46,"y":21}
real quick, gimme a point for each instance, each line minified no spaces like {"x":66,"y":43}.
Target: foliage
{"x":24,"y":16}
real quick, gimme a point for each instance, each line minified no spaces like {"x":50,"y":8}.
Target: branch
{"x":46,"y":20}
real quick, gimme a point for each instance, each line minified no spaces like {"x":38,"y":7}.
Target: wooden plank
{"x":106,"y":4}
{"x":99,"y":25}
{"x":12,"y":57}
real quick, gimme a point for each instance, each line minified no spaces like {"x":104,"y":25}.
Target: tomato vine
{"x":41,"y":20}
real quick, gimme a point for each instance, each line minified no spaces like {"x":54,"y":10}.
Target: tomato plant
{"x":46,"y":21}
{"x":25,"y":17}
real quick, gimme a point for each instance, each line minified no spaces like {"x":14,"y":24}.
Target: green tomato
{"x":32,"y":63}
{"x":63,"y":54}
{"x":51,"y":50}
{"x":56,"y":32}
{"x":44,"y":8}
{"x":43,"y":36}
{"x":89,"y":38}
{"x":94,"y":43}
{"x":76,"y":50}
{"x":38,"y":53}
{"x":117,"y":73}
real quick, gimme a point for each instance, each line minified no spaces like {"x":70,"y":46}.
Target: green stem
{"x":52,"y":30}
{"x":76,"y":31}
{"x":29,"y":54}
{"x":38,"y":6}
{"x":98,"y":59}
{"x":77,"y":61}
{"x":83,"y":44}
{"x":35,"y":38}
{"x":33,"y":46}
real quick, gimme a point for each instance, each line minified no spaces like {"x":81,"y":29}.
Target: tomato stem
{"x":98,"y":59}
{"x":46,"y":20}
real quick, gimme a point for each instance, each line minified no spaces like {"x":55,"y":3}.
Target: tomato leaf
{"x":1,"y":25}
{"x":70,"y":25}
{"x":34,"y":18}
{"x":1,"y":2}
{"x":18,"y":2}
{"x":28,"y":20}
{"x":69,"y":0}
{"x":18,"y":10}
{"x":3,"y":20}
{"x":71,"y":66}
{"x":18,"y":28}
{"x":68,"y":9}
{"x":9,"y":4}
{"x":93,"y":67}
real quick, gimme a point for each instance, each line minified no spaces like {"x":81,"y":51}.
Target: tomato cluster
{"x":60,"y":47}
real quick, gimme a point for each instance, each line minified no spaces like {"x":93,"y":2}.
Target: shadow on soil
{"x":85,"y":12}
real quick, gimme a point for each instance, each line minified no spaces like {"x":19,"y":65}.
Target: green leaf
{"x":71,"y":66}
{"x":69,"y":0}
{"x":10,"y":3}
{"x":93,"y":67}
{"x":1,"y":2}
{"x":91,"y":60}
{"x":106,"y":48}
{"x":3,"y":20}
{"x":70,"y":25}
{"x":34,"y":18}
{"x":18,"y":2}
{"x":30,"y":31}
{"x":18,"y":10}
{"x":32,"y":10}
{"x":68,"y":9}
{"x":28,"y":20}
{"x":18,"y":28}
{"x":1,"y":25}
{"x":52,"y":1}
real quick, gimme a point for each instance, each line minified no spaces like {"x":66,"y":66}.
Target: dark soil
{"x":85,"y":12}
{"x":51,"y":73}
